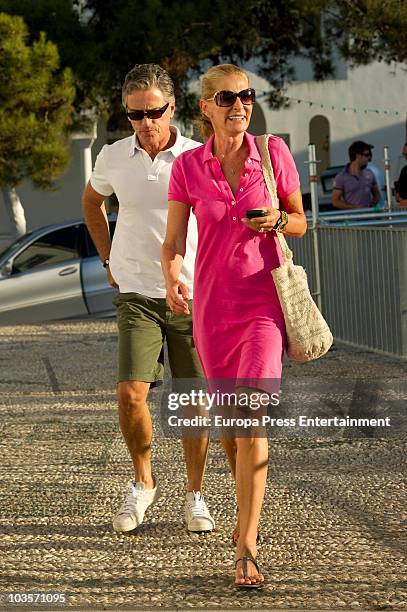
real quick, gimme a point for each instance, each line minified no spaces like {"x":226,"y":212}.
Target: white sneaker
{"x":197,"y":515}
{"x":131,"y":513}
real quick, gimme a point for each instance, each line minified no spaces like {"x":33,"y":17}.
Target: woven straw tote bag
{"x":308,"y":334}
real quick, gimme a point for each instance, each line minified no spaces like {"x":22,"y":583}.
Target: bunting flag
{"x":313,"y":104}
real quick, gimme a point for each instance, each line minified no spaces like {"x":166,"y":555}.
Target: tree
{"x":35,"y":114}
{"x":102,"y":39}
{"x":185,"y":36}
{"x":370,"y":30}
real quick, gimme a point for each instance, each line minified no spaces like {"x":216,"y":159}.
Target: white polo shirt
{"x":141,"y":186}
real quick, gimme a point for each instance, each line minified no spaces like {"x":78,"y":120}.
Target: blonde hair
{"x":209,"y":87}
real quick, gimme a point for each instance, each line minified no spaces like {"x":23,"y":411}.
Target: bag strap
{"x":268,"y":173}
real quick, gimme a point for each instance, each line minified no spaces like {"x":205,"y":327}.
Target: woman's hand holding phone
{"x":261,"y":219}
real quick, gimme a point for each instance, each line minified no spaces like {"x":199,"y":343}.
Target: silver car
{"x":54,"y":273}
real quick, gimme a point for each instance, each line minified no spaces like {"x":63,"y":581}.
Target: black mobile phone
{"x":256,"y":212}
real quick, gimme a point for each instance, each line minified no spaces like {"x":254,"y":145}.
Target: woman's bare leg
{"x":229,"y":445}
{"x":251,"y":476}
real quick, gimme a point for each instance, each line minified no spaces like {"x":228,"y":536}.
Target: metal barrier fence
{"x":363,"y":277}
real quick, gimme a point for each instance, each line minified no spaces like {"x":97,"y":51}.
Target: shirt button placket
{"x":234,"y":218}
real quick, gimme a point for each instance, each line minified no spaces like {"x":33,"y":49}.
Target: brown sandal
{"x":244,"y":585}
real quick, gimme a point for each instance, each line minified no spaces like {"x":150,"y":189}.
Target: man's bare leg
{"x":230,"y":448}
{"x":196,"y":453}
{"x":197,"y":515}
{"x":136,"y":427}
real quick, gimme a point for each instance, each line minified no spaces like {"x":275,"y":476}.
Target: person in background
{"x":137,"y":169}
{"x":380,"y":181}
{"x":355,"y":186}
{"x":401,"y":184}
{"x":239,"y":326}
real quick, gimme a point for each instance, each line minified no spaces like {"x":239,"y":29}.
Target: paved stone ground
{"x":334,"y":520}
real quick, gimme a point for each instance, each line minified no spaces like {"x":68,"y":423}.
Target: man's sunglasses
{"x":154,"y":113}
{"x":228,"y":98}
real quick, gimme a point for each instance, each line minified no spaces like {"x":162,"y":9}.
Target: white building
{"x":364,"y":103}
{"x":367,"y":103}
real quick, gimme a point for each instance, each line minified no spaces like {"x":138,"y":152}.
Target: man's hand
{"x":339,"y":202}
{"x":263,"y":224}
{"x":110,"y":279}
{"x":375,"y":195}
{"x":177,"y":296}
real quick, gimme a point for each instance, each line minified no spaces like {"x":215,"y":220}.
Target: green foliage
{"x":184,"y":37}
{"x":102,"y":39}
{"x":35,"y":107}
{"x":369,"y":30}
{"x":65,"y":26}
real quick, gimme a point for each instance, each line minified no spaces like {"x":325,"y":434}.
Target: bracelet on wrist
{"x":278,"y":222}
{"x":281,"y":222}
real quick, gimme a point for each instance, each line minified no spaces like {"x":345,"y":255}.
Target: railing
{"x":363,"y":280}
{"x":362,"y":216}
{"x":356,"y":262}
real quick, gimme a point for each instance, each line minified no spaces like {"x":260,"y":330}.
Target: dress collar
{"x":254,"y":152}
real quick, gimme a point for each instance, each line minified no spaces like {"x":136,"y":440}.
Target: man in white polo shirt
{"x":137,"y":169}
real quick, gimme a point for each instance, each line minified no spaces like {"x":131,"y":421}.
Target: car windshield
{"x":14,"y":246}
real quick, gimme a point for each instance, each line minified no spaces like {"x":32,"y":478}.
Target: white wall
{"x":377,"y":86}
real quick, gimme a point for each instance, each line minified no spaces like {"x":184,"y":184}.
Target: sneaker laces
{"x":131,"y":500}
{"x":197,"y":504}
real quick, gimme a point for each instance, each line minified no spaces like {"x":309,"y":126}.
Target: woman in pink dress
{"x":238,"y":323}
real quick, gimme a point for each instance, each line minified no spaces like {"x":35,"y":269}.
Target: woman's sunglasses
{"x":228,"y":98}
{"x":155,"y":113}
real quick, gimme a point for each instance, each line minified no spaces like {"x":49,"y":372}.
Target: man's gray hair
{"x":146,"y":76}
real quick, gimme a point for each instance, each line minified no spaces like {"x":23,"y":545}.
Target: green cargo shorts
{"x":144,"y":323}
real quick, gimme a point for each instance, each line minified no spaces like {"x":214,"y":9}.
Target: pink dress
{"x":239,"y":328}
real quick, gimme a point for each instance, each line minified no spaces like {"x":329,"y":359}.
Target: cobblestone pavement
{"x":334,"y":520}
